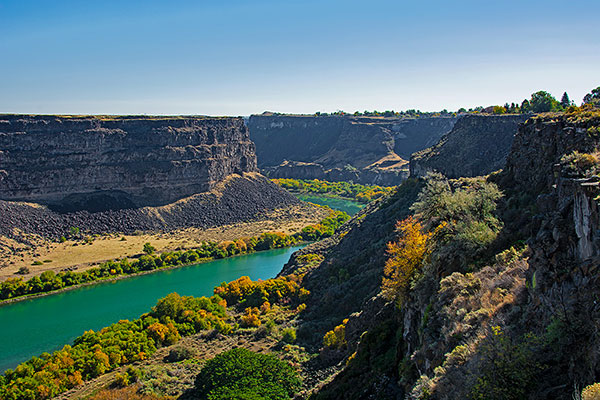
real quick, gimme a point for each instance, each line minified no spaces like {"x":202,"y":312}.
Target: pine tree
{"x":565,"y":101}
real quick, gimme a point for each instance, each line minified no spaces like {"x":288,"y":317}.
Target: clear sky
{"x":240,"y":57}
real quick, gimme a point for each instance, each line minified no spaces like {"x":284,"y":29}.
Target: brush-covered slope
{"x":491,"y":309}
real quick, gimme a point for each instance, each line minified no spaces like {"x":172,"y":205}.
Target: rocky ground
{"x":237,"y":199}
{"x":239,"y":207}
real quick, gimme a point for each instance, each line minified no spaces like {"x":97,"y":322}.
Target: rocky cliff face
{"x":109,"y":162}
{"x":362,"y":149}
{"x":520,"y":324}
{"x":477,"y":145}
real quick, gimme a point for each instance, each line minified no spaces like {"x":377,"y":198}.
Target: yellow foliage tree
{"x":406,"y":256}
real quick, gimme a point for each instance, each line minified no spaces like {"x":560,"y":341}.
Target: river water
{"x":30,"y":327}
{"x":349,"y":206}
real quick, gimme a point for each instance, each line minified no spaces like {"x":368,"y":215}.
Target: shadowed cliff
{"x":97,"y":163}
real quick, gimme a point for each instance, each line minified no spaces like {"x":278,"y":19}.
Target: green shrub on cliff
{"x":463,"y":211}
{"x":508,"y":369}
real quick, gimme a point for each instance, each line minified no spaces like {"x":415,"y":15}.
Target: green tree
{"x":565,"y":101}
{"x":242,"y":374}
{"x":543,"y":101}
{"x":148,"y":248}
{"x":593,"y":97}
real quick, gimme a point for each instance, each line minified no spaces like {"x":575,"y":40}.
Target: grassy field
{"x":82,"y":255}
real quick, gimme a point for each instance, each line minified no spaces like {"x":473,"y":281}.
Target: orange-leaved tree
{"x":406,"y":256}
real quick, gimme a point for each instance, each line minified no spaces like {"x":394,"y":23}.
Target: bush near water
{"x":49,"y":281}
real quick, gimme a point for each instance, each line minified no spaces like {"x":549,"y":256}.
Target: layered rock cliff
{"x":362,"y":149}
{"x":107,"y":162}
{"x":513,"y":322}
{"x":477,"y":145}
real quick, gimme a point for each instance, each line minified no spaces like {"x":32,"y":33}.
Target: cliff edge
{"x":476,"y":145}
{"x":98,"y":163}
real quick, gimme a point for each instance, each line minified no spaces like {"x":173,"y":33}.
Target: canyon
{"x":368,"y":150}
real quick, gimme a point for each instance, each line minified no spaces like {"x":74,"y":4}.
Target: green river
{"x":349,"y":206}
{"x":33,"y":326}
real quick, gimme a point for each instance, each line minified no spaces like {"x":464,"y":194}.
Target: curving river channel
{"x":30,"y":327}
{"x":349,"y":206}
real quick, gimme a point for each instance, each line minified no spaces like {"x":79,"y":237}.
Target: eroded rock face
{"x":363,"y":149}
{"x":100,"y":163}
{"x":477,"y":145}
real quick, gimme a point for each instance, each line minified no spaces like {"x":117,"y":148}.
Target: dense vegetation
{"x":95,"y":353}
{"x":248,"y":293}
{"x":358,"y":192}
{"x":243,"y":374}
{"x":174,"y":316}
{"x":49,"y":281}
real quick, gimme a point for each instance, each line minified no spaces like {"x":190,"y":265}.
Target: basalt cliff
{"x":477,"y":145}
{"x":128,"y":173}
{"x":370,"y":150}
{"x":504,"y":305}
{"x":118,"y":162}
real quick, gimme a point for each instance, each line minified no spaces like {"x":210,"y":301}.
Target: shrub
{"x":251,"y":317}
{"x":591,"y":392}
{"x":243,"y":374}
{"x":23,"y":271}
{"x":508,"y":367}
{"x":336,"y":338}
{"x":288,"y":335}
{"x":148,"y":248}
{"x":180,"y":353}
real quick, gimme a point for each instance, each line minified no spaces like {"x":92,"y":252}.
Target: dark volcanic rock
{"x":477,"y":145}
{"x":238,"y":199}
{"x":108,"y":162}
{"x":362,"y":149}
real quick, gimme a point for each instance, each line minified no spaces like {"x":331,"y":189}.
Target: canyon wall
{"x":477,"y":145}
{"x":107,"y":162}
{"x":362,"y":149}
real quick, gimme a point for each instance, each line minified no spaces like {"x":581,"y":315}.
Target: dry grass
{"x":82,"y":255}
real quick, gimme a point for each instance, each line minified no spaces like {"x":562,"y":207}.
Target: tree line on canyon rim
{"x":539,"y":102}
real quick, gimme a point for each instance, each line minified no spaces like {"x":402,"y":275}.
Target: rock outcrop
{"x":109,"y":162}
{"x":239,"y":198}
{"x":477,"y":145}
{"x":519,"y":322}
{"x":370,"y":150}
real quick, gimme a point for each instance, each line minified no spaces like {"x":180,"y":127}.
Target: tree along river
{"x":349,"y":206}
{"x":45,"y":324}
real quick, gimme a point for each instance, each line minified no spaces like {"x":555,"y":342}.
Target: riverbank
{"x":51,"y":282}
{"x":33,"y":327}
{"x":347,"y":190}
{"x":82,"y":255}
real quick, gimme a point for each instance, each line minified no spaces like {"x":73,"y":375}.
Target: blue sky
{"x":241,"y":57}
